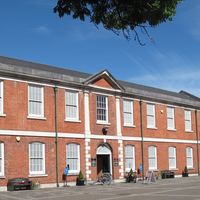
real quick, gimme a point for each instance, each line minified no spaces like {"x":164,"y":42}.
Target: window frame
{"x":188,"y":120}
{"x":172,"y":157}
{"x":133,"y":158}
{"x":171,"y":118}
{"x":2,"y":98}
{"x":153,"y":157}
{"x":151,"y":115}
{"x":191,"y":157}
{"x":106,"y":109}
{"x":2,"y":160}
{"x":42,"y":101}
{"x":77,"y":106}
{"x":42,"y":172}
{"x":130,"y":112}
{"x":78,"y":159}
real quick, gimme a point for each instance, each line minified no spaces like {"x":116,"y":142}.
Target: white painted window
{"x":170,"y":118}
{"x":189,"y":157}
{"x":188,"y":121}
{"x":35,"y":101}
{"x":102,"y":108}
{"x":172,"y":157}
{"x":1,"y":97}
{"x":1,"y":159}
{"x":129,"y":158}
{"x":71,"y":106}
{"x":36,"y":158}
{"x":152,"y":157}
{"x":73,"y":157}
{"x":128,"y":113}
{"x":151,"y":116}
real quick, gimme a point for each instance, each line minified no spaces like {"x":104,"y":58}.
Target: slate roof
{"x":16,"y":67}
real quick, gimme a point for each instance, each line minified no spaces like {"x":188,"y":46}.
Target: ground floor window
{"x":129,"y":158}
{"x":172,"y":157}
{"x":37,"y":158}
{"x":152,"y":157}
{"x":189,"y":157}
{"x":1,"y":159}
{"x":73,"y":157}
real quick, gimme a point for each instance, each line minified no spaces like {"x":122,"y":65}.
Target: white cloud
{"x":171,"y":72}
{"x":42,"y":30}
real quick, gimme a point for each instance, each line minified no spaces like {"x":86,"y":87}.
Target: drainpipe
{"x":197,"y":137}
{"x":142,"y":139}
{"x":56,"y":132}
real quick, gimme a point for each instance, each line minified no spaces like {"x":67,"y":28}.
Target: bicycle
{"x":105,"y":178}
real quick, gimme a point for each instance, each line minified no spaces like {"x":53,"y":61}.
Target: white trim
{"x":155,"y":167}
{"x":102,"y":93}
{"x":106,"y":122}
{"x":40,"y":116}
{"x":118,"y":117}
{"x":131,"y":111}
{"x":104,"y":88}
{"x":2,"y":98}
{"x":170,"y":105}
{"x":72,"y":172}
{"x":87,"y":112}
{"x":92,"y":136}
{"x":172,"y":157}
{"x":76,"y":119}
{"x":3,"y":161}
{"x":37,"y":173}
{"x":151,"y":115}
{"x":36,"y":117}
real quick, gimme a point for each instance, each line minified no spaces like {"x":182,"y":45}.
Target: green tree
{"x":124,"y":16}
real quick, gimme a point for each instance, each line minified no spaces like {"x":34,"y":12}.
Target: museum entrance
{"x":104,"y":160}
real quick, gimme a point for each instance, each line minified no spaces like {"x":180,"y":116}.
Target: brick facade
{"x":88,"y":135}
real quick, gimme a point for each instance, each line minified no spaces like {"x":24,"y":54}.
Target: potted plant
{"x":80,"y":179}
{"x":131,"y":177}
{"x":185,"y":172}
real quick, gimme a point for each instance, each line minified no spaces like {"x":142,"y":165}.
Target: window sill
{"x":103,"y":123}
{"x":37,"y":175}
{"x":2,"y":115}
{"x":154,"y":170}
{"x":130,"y":126}
{"x":190,"y":168}
{"x":171,"y":129}
{"x":73,"y":120}
{"x":73,"y":173}
{"x":37,"y":118}
{"x":189,"y":131}
{"x":173,"y":169}
{"x":154,"y":128}
{"x":2,"y":177}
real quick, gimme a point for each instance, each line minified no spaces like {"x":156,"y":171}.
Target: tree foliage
{"x":120,"y":15}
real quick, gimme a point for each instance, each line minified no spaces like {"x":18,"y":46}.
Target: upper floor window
{"x":172,"y":157}
{"x":129,"y":158}
{"x":1,"y":97}
{"x":189,"y":157}
{"x":102,"y":108}
{"x":35,"y":101}
{"x":170,"y":118}
{"x":188,"y":121}
{"x":152,"y":157}
{"x":36,"y":158}
{"x":1,"y":159}
{"x":151,"y":116}
{"x":128,"y":113}
{"x":73,"y":157}
{"x":71,"y":106}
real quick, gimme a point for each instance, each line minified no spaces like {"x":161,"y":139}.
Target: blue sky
{"x":30,"y":30}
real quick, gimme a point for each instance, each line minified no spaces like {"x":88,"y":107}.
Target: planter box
{"x":185,"y":174}
{"x":167,"y":174}
{"x":80,"y":182}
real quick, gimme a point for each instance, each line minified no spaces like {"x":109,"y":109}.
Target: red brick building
{"x":51,"y":117}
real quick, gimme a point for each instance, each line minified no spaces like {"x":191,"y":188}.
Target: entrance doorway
{"x":104,"y":160}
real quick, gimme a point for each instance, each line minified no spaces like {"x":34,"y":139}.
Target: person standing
{"x":66,"y":171}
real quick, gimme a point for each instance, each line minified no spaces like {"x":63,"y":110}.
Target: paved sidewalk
{"x":173,"y":189}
